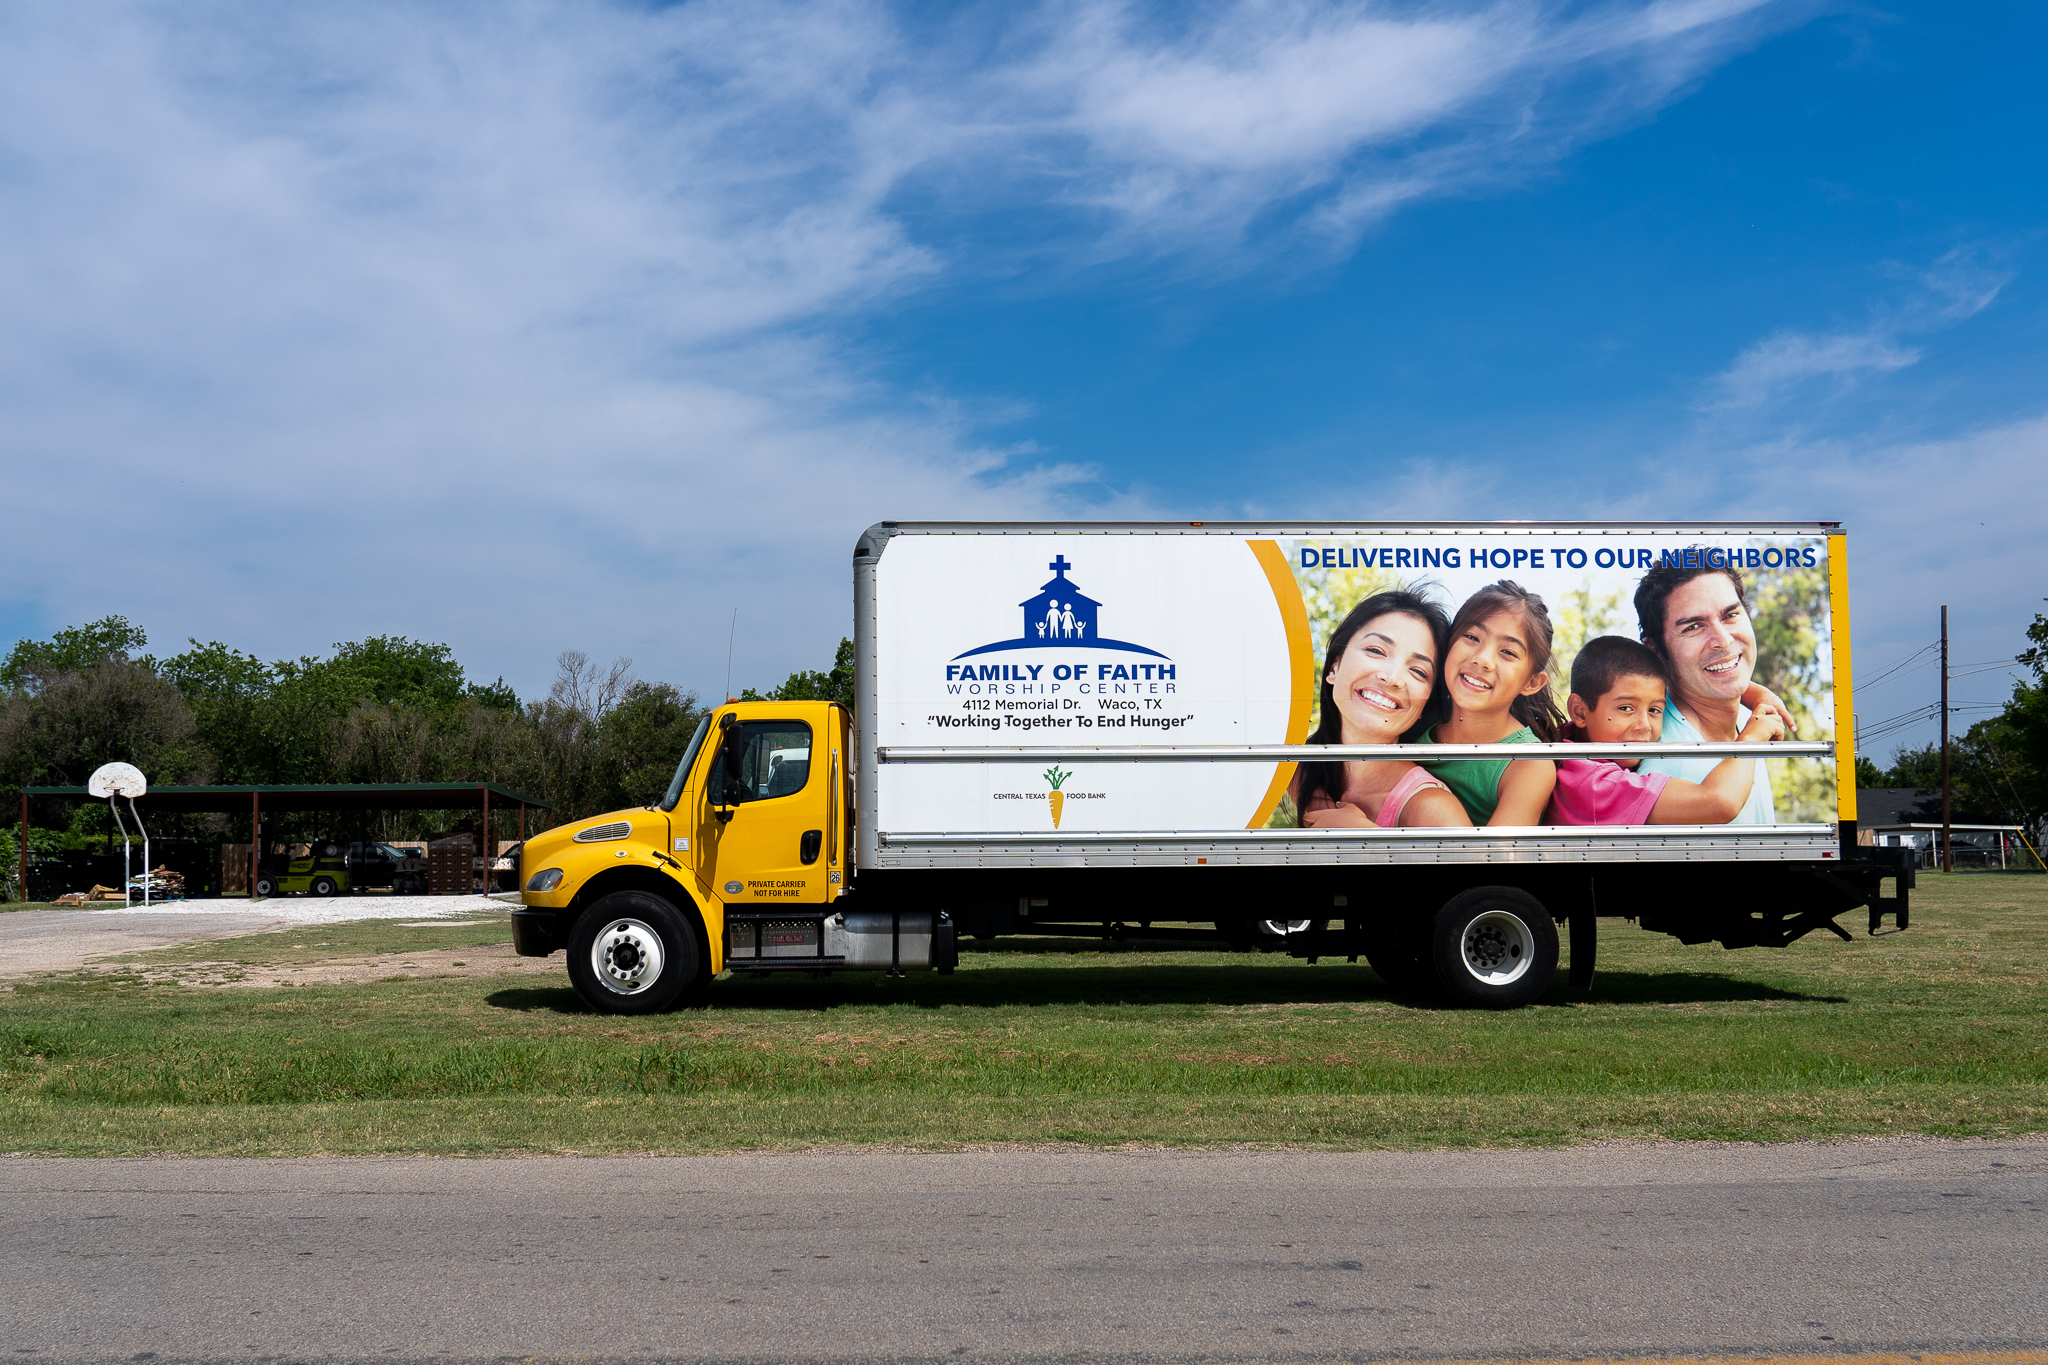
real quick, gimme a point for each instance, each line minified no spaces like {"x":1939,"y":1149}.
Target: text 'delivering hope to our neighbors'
{"x":1553,"y":556}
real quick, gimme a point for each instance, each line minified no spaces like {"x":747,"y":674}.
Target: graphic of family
{"x":1397,"y":671}
{"x":1059,"y":624}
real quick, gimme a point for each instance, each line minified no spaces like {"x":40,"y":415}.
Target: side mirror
{"x":727,"y":783}
{"x":735,"y":764}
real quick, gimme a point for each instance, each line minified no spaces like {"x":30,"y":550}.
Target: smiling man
{"x":1698,"y":622}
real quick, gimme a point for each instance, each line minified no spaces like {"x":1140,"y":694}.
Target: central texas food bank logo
{"x":1056,"y":799}
{"x":1061,"y":616}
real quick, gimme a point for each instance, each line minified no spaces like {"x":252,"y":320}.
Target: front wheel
{"x":1494,"y":947}
{"x":634,"y":953}
{"x":265,"y":888}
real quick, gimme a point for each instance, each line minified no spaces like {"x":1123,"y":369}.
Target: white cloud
{"x":1783,"y":359}
{"x":516,"y":325}
{"x":1337,"y":114}
{"x":1953,"y":289}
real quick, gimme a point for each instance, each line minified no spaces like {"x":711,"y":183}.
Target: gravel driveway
{"x":60,"y":940}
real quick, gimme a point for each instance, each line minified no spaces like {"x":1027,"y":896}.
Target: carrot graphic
{"x":1058,"y":797}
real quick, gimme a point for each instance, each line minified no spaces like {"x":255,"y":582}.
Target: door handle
{"x":807,"y":849}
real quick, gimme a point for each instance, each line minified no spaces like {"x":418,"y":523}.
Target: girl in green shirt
{"x":1494,"y":671}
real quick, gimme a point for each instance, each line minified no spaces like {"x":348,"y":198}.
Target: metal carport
{"x":228,"y":799}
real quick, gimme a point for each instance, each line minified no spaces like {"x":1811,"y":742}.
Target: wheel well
{"x":636,"y":879}
{"x":631,"y":879}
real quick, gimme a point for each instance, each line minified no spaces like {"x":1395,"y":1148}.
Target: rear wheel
{"x":323,"y":886}
{"x":1495,"y":947}
{"x":634,"y":953}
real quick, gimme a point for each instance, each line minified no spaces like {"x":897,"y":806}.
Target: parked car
{"x":375,"y":865}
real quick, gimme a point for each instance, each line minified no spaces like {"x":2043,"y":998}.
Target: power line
{"x":1908,"y":671}
{"x":1860,"y":683}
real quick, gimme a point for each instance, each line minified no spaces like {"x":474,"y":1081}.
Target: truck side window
{"x":775,"y":760}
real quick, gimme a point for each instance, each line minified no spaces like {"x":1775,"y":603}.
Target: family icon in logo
{"x":1061,"y":616}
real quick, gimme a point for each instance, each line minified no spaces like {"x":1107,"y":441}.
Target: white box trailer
{"x":1099,"y":727}
{"x":1329,"y":739}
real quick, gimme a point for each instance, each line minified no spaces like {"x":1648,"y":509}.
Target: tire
{"x":1399,"y":952}
{"x":634,"y":953}
{"x":1265,"y":935}
{"x":323,"y":887}
{"x":1494,"y":947}
{"x":265,"y":888}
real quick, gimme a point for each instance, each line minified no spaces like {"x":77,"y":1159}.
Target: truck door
{"x":771,"y":852}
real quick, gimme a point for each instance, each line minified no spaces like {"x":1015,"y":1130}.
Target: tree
{"x":1916,"y":767}
{"x":33,"y":662}
{"x":2025,"y":722}
{"x":835,"y":684}
{"x":386,"y":708}
{"x":644,"y":737}
{"x":392,"y":669}
{"x":227,"y":692}
{"x":109,"y":711}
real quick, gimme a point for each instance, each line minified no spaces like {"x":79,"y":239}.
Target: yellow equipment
{"x":322,"y":873}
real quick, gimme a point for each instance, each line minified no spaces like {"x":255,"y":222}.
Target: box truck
{"x":1264,"y":735}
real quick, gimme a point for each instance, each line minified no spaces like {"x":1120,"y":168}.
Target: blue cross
{"x":1059,"y":564}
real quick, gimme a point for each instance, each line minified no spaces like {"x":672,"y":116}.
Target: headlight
{"x":547,"y":879}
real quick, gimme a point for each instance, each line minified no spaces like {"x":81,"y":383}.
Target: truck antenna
{"x":730,"y":636}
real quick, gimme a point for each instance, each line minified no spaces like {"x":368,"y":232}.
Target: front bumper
{"x":537,"y":933}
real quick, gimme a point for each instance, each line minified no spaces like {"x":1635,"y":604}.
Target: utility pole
{"x":1947,"y":857}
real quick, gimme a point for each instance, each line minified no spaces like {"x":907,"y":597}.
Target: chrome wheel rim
{"x":1498,"y":948}
{"x":1281,"y":928}
{"x":627,"y":957}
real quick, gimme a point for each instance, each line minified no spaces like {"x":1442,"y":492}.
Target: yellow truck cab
{"x":739,"y":864}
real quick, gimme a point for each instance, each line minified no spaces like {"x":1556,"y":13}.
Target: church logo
{"x":1061,"y":616}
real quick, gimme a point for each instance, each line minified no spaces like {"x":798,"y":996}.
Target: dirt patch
{"x":491,"y":959}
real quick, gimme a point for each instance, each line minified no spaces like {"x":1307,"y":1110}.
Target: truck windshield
{"x":675,"y":788}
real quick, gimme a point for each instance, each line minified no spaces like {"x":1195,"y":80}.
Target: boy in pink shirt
{"x":1618,"y":698}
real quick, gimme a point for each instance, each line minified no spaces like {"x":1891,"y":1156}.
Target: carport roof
{"x":331,"y":796}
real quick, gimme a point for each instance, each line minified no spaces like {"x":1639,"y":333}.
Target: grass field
{"x":1938,"y":1030}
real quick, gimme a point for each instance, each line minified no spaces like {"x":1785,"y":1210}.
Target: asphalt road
{"x":1021,"y":1255}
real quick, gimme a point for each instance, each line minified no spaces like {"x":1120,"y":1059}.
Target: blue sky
{"x":577,"y":326}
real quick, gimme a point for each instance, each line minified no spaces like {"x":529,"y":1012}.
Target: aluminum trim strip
{"x":1411,"y":855}
{"x":1493,"y":835}
{"x":1313,"y":753}
{"x":1340,"y":528}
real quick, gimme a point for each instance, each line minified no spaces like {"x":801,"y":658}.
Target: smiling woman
{"x":1379,"y":676}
